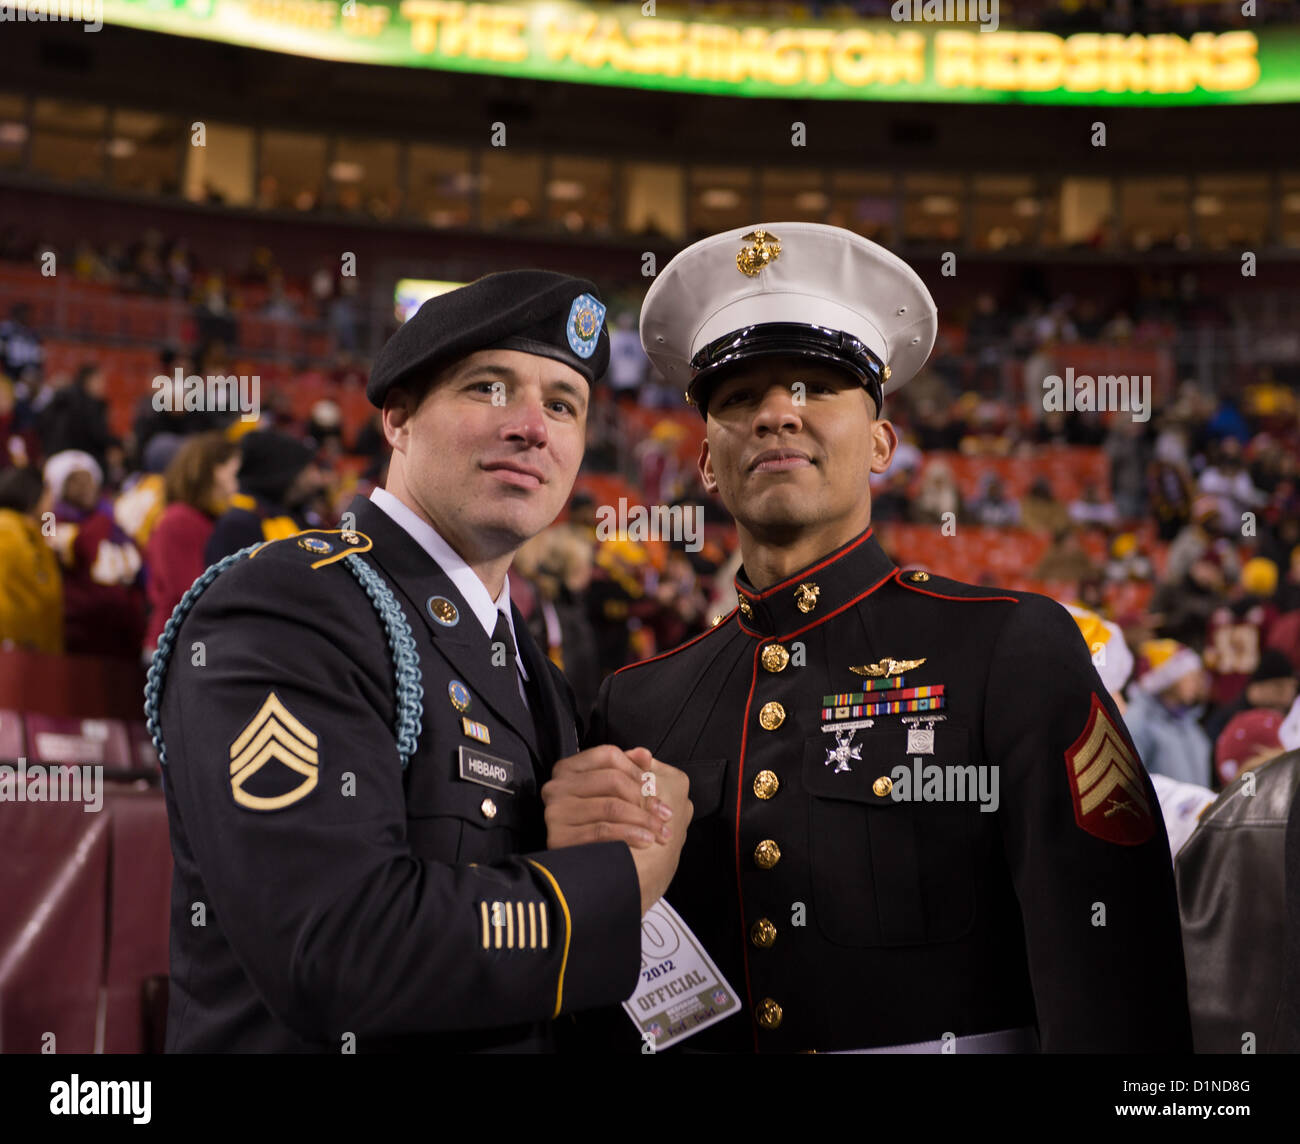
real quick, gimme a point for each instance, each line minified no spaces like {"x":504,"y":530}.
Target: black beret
{"x":537,"y":311}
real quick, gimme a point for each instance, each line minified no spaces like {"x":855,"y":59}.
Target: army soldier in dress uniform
{"x":356,"y":728}
{"x":919,"y":821}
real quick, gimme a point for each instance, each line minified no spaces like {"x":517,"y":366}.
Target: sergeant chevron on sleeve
{"x":358,"y":733}
{"x":919,"y":819}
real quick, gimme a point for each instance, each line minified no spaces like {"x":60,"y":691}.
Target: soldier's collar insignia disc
{"x":1107,"y":782}
{"x":585,"y":317}
{"x":273,"y":735}
{"x":887,"y":666}
{"x":459,"y":695}
{"x":764,"y":248}
{"x":315,"y":544}
{"x":444,"y":611}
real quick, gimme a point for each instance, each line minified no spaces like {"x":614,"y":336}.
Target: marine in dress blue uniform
{"x":919,"y":820}
{"x":352,"y":767}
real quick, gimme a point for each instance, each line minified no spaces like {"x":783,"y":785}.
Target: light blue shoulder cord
{"x":408,"y":688}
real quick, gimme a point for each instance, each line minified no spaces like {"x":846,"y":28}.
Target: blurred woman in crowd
{"x":198,"y":484}
{"x":103,"y":588}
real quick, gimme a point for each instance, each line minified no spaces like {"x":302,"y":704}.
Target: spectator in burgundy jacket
{"x":197,"y":486}
{"x":103,"y":574}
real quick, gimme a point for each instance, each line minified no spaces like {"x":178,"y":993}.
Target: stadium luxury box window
{"x":69,"y":141}
{"x":291,"y":170}
{"x":580,"y":194}
{"x":440,"y":185}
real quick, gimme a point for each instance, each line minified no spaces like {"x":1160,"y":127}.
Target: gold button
{"x":713,"y":623}
{"x":775,"y":657}
{"x":763,"y":933}
{"x":768,"y":1013}
{"x":771,"y":716}
{"x":766,"y":784}
{"x":883,"y":785}
{"x":805,"y":596}
{"x":920,"y":577}
{"x":766,"y":854}
{"x":746,"y":609}
{"x":489,"y":808}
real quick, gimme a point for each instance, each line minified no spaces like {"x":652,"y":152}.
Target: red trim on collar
{"x":834,"y":556}
{"x":722,"y":623}
{"x":821,"y":619}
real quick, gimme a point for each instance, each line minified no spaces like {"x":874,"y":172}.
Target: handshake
{"x":608,"y":795}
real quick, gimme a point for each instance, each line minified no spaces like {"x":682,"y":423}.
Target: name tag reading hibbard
{"x":680,"y":990}
{"x":487,"y":770}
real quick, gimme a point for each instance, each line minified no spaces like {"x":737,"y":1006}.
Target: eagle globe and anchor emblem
{"x":764,"y":248}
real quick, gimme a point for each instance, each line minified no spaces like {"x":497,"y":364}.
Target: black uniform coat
{"x":847,"y":917}
{"x":319,"y":890}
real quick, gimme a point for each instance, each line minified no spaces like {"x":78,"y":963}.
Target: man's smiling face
{"x":790,"y":460}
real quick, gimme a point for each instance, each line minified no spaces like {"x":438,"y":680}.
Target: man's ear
{"x":706,"y":468}
{"x":884,"y":440}
{"x":399,"y":404}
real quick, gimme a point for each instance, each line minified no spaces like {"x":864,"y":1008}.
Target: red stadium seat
{"x":96,"y":742}
{"x":12,"y":739}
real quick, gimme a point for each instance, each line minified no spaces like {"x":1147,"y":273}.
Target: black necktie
{"x":501,"y":634}
{"x":534,"y":709}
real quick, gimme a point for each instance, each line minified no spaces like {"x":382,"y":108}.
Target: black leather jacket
{"x":1231,"y":896}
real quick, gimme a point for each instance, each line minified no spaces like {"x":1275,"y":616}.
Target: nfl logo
{"x":720,"y":997}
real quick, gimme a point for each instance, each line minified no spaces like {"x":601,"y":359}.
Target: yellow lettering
{"x":1083,"y":62}
{"x":1237,"y":63}
{"x":508,"y":41}
{"x":424,"y":17}
{"x":1042,"y":60}
{"x":711,"y":52}
{"x":954,"y":59}
{"x":1125,"y":63}
{"x":1168,"y":66}
{"x":998,"y":70}
{"x":904,"y":58}
{"x":817,"y":45}
{"x":785,"y":65}
{"x":560,"y":39}
{"x":852,"y":62}
{"x":656,"y":47}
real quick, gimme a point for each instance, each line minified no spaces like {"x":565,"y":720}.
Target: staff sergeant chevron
{"x":273,"y":734}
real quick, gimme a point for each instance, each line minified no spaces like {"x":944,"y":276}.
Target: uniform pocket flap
{"x":852,"y":766}
{"x":707,"y":777}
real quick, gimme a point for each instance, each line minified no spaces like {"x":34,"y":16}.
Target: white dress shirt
{"x":461,"y":574}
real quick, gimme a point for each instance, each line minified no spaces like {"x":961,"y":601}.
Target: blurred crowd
{"x":1199,"y":505}
{"x":158,"y":266}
